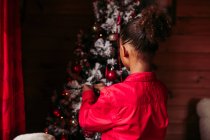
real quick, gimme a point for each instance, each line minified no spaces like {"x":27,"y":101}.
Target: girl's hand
{"x":86,"y":87}
{"x":99,"y":86}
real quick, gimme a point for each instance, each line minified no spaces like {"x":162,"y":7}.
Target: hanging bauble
{"x":64,"y":137}
{"x":76,"y":68}
{"x":57,"y":113}
{"x":113,"y":37}
{"x":111,"y":75}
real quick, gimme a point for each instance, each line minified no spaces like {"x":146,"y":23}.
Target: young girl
{"x":136,"y":108}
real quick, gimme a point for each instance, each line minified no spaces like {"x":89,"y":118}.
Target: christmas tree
{"x":96,"y":61}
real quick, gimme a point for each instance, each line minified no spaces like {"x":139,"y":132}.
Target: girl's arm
{"x":98,"y":116}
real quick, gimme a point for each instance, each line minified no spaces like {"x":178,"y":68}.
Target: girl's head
{"x":143,"y":34}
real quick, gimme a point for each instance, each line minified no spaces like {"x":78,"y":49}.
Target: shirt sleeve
{"x":96,"y":117}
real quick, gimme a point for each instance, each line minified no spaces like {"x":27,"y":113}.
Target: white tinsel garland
{"x":102,"y":48}
{"x":95,"y":74}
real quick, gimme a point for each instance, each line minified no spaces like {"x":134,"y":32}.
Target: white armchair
{"x":35,"y":136}
{"x":203,"y":111}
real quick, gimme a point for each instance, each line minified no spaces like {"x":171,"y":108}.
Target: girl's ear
{"x":124,"y":56}
{"x":124,"y":51}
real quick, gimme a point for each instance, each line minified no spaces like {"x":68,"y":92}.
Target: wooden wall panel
{"x":183,"y":96}
{"x":177,"y":114}
{"x":183,"y":65}
{"x":192,"y":26}
{"x":175,"y":137}
{"x":186,"y":44}
{"x":185,"y":79}
{"x":175,"y":128}
{"x":193,"y":8}
{"x":183,"y":61}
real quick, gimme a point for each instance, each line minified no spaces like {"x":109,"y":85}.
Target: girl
{"x":136,"y":108}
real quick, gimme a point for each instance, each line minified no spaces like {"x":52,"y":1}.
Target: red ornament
{"x":111,"y":75}
{"x":77,"y":68}
{"x":64,"y":137}
{"x":57,"y":113}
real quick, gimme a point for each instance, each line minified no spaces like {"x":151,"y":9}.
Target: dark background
{"x":49,"y":29}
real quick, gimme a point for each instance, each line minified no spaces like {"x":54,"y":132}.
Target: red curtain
{"x":12,"y":115}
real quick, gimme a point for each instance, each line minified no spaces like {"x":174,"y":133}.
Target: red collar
{"x":141,"y":77}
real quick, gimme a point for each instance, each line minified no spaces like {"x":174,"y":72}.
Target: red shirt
{"x":132,"y":110}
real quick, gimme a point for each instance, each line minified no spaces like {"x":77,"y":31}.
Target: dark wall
{"x":49,"y":29}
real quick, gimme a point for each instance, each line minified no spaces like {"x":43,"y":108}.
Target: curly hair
{"x":145,"y":32}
